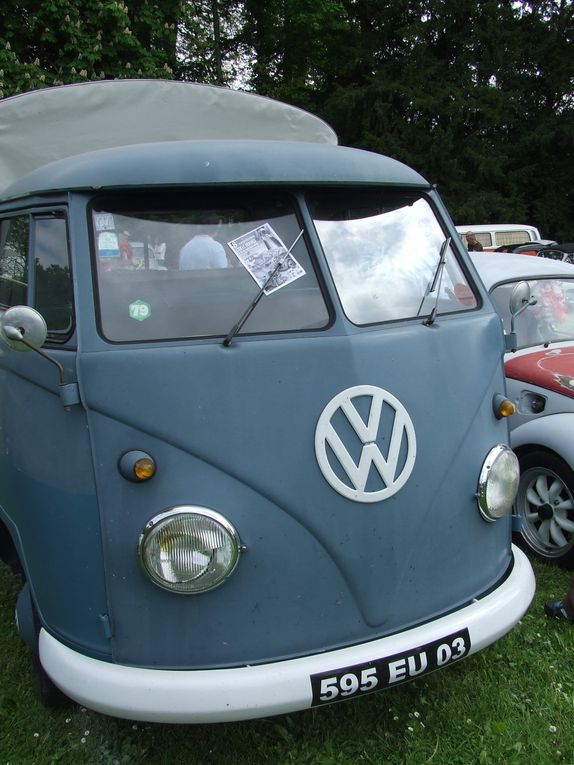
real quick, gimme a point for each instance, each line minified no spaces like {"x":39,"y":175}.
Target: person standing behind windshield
{"x":202,"y":251}
{"x":125,"y":248}
{"x":472,"y":243}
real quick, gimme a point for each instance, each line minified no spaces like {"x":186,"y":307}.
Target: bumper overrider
{"x":205,"y":696}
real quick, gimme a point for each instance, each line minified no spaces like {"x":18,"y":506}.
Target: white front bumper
{"x":202,"y":696}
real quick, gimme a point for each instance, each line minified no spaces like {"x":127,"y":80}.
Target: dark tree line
{"x":477,"y":96}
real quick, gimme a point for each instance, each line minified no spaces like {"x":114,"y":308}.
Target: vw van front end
{"x":284,"y":481}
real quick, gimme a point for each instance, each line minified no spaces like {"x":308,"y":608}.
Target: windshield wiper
{"x":250,"y":308}
{"x":436,"y":283}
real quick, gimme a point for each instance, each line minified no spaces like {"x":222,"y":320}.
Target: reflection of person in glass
{"x":551,"y":305}
{"x":202,"y":251}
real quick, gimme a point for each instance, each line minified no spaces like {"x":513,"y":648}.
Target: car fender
{"x":553,"y":432}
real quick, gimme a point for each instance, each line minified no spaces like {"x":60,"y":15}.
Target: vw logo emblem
{"x":353,"y":422}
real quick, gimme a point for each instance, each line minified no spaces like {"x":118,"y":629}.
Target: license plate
{"x":359,"y":679}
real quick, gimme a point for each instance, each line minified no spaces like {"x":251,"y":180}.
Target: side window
{"x":486,"y":239}
{"x":14,"y":238}
{"x":52,"y":278}
{"x":512,"y":237}
{"x":49,"y":288}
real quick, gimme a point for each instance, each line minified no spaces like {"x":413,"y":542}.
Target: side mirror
{"x":23,"y":329}
{"x":520,"y":299}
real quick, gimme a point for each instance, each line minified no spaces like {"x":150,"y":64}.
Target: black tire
{"x":48,"y":693}
{"x":545,"y":503}
{"x":8,"y":552}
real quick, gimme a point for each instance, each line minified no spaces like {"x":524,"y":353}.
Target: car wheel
{"x":545,"y":503}
{"x":48,"y":692}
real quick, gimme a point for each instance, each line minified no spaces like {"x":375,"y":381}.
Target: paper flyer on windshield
{"x":261,"y":251}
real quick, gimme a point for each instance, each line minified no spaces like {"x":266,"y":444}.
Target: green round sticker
{"x":139,"y":310}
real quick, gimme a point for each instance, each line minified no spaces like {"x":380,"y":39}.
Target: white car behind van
{"x":495,"y":235}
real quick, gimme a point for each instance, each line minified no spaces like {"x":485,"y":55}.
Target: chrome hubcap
{"x":547,"y":509}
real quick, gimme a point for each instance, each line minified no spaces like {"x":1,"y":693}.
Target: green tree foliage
{"x":209,"y":49}
{"x":293,"y":46}
{"x":478,"y":95}
{"x":475,"y":94}
{"x":541,"y":158}
{"x":51,"y":42}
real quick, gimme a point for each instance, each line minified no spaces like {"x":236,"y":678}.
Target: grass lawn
{"x":512,"y":703}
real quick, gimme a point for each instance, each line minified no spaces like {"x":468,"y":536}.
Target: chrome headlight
{"x":189,"y":549}
{"x":498,"y":482}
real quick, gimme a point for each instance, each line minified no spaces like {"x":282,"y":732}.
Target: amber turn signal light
{"x":137,"y":466}
{"x":503,"y":407}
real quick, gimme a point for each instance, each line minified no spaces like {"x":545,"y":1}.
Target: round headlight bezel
{"x":488,"y":473}
{"x":205,"y":581}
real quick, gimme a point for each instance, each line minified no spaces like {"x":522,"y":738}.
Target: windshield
{"x":188,"y":265}
{"x":550,"y":320}
{"x":384,"y":251}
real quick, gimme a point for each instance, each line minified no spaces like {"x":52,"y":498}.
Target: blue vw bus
{"x":253,"y":446}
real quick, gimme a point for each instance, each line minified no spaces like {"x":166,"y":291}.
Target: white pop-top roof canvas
{"x":50,"y":124}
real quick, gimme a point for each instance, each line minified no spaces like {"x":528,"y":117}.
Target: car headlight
{"x":189,"y":549}
{"x":498,"y":482}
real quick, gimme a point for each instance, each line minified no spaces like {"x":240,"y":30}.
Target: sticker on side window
{"x":139,"y":310}
{"x":108,"y":245}
{"x":359,"y":679}
{"x":104,"y":222}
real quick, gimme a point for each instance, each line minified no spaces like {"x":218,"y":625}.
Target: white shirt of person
{"x":202,"y":252}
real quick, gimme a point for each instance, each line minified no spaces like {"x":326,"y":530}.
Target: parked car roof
{"x":498,"y":267}
{"x":563,"y":252}
{"x":529,"y":247}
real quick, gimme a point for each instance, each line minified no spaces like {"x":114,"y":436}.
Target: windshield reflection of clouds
{"x":383,"y":264}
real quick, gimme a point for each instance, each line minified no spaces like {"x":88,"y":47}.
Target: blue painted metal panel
{"x":47,"y":493}
{"x":233,"y":430}
{"x":208,"y":163}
